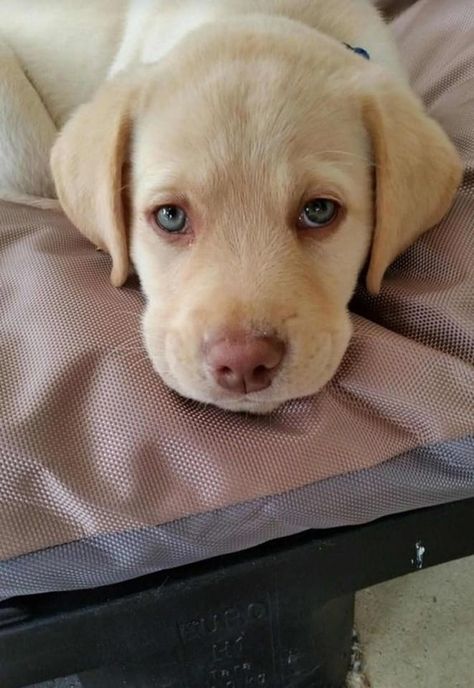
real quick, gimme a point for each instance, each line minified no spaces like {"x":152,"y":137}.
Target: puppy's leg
{"x":27,"y":133}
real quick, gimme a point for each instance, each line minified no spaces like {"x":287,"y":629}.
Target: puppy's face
{"x":252,"y":204}
{"x":252,"y":217}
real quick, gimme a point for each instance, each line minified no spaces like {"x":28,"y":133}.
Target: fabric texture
{"x":422,"y":477}
{"x":107,"y":474}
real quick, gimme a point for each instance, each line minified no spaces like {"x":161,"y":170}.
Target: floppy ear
{"x":87,"y":162}
{"x":417,"y":172}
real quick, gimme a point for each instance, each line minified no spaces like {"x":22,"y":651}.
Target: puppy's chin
{"x":243,"y":405}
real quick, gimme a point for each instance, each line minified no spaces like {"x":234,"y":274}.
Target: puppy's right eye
{"x":318,"y":213}
{"x":171,"y":219}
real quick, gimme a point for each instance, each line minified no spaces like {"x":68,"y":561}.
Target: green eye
{"x":317,"y":213}
{"x":171,"y":219}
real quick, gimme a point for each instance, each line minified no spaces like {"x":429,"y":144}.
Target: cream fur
{"x":240,"y":110}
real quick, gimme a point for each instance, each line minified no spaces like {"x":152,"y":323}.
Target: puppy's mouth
{"x":283,"y":379}
{"x":255,"y":403}
{"x":206,"y":392}
{"x":250,"y":406}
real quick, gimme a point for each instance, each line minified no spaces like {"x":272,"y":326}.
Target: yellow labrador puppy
{"x":248,"y":157}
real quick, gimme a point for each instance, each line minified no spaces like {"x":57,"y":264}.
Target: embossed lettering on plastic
{"x":230,"y":619}
{"x":238,"y":676}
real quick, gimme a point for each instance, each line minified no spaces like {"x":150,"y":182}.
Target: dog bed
{"x":105,"y":474}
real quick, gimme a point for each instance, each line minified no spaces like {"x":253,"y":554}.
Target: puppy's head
{"x":264,"y":167}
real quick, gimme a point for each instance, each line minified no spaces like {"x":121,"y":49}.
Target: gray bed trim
{"x":422,"y":477}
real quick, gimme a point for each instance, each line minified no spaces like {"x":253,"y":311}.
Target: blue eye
{"x":320,"y":212}
{"x":171,"y":219}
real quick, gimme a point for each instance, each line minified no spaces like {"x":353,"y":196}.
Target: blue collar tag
{"x":359,"y":51}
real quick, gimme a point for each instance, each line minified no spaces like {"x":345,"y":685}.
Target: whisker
{"x":127,"y":352}
{"x":136,"y":337}
{"x":143,"y":359}
{"x":341,"y":152}
{"x":362,"y":158}
{"x":116,"y":311}
{"x":135,"y":344}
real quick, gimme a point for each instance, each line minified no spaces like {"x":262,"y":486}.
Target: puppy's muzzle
{"x":244,"y":363}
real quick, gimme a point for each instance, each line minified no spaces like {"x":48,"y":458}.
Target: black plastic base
{"x":248,"y":644}
{"x":277,"y":616}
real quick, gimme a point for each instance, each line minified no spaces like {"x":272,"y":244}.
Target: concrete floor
{"x":418,"y":631}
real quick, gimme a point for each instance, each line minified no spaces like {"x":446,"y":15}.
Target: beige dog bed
{"x":105,"y":474}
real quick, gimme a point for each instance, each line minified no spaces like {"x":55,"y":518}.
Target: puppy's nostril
{"x":261,"y":371}
{"x":225,"y":371}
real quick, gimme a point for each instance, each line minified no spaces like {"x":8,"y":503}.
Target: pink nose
{"x":243,"y":363}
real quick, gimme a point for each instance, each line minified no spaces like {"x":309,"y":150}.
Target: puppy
{"x":248,"y":158}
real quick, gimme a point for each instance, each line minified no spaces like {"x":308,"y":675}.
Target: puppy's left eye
{"x":320,"y":212}
{"x":171,"y":219}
